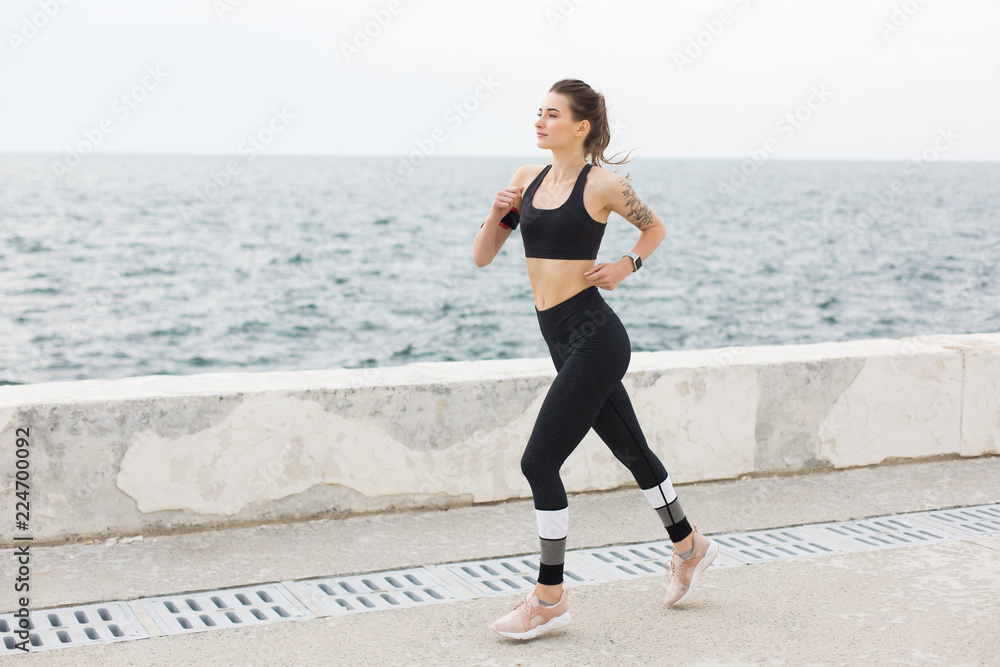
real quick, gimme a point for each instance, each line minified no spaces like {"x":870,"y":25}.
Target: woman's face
{"x":555,"y":126}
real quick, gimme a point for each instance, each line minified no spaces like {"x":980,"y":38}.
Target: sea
{"x":125,"y":265}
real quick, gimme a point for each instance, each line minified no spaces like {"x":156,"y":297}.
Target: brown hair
{"x":585,"y":103}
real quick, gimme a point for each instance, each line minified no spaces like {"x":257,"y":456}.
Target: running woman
{"x":562,"y":210}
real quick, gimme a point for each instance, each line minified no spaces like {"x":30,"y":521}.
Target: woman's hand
{"x":505,"y":199}
{"x":608,"y":275}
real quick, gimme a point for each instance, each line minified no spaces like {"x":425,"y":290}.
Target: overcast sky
{"x":850,"y":79}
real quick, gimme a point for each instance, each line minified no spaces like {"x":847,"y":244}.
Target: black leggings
{"x":591,"y":352}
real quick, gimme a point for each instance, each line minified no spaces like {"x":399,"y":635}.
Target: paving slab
{"x":929,"y":604}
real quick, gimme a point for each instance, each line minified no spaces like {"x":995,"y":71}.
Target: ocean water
{"x":139,"y":265}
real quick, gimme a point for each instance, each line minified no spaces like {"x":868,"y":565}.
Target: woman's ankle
{"x":550,"y":594}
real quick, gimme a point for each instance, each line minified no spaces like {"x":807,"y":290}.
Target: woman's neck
{"x":566,"y":166}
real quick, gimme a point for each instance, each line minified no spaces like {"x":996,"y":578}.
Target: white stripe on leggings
{"x":657,"y":494}
{"x":553,"y":524}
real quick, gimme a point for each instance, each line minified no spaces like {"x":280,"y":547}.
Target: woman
{"x":562,"y":217}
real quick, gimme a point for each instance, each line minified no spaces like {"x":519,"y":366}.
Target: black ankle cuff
{"x":550,"y":575}
{"x":679,"y":531}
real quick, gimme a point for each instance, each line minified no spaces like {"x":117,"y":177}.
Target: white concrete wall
{"x":158,"y":453}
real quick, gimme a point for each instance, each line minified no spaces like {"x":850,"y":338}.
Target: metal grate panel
{"x":982,"y":520}
{"x":378,"y":591}
{"x":881,"y":533}
{"x":270,"y":603}
{"x":638,"y":560}
{"x":221,"y":609}
{"x":761,"y":546}
{"x":501,"y":576}
{"x":72,"y":626}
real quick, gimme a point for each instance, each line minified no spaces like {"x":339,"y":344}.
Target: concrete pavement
{"x":931,"y":604}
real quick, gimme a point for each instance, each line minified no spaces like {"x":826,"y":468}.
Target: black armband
{"x":512,"y":219}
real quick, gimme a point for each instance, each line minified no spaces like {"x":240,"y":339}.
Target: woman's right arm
{"x":491,"y":235}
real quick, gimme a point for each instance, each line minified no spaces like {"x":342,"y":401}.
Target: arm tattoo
{"x":638,"y":213}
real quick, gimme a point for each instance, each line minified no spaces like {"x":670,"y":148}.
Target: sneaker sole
{"x":710,"y":554}
{"x":553,"y":624}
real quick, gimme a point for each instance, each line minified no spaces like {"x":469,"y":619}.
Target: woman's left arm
{"x":623,"y":200}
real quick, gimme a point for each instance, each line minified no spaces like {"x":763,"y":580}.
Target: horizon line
{"x":473,"y":156}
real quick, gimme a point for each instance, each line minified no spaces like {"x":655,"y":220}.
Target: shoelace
{"x":676,"y":570}
{"x":528,"y":609}
{"x":681,"y":567}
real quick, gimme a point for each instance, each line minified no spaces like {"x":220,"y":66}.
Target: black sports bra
{"x":567,"y":232}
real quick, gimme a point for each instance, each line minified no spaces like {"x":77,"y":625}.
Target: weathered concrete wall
{"x":159,"y":453}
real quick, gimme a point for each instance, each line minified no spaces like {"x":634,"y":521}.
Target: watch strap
{"x":636,"y":261}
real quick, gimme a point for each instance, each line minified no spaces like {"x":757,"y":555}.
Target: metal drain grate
{"x":229,"y":608}
{"x":638,"y":560}
{"x":72,"y":626}
{"x":271,"y":603}
{"x":501,"y":576}
{"x":761,"y":546}
{"x":983,"y":520}
{"x":374,"y":592}
{"x":881,"y":533}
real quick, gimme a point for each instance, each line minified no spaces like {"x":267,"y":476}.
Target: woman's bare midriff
{"x":555,"y":280}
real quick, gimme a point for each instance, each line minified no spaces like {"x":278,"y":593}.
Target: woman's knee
{"x":537,"y":469}
{"x":529,"y":465}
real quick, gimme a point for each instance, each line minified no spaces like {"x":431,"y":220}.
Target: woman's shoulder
{"x":606,"y":181}
{"x":531,"y":170}
{"x":602,"y":175}
{"x":525,"y":174}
